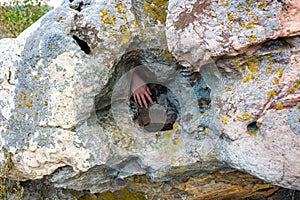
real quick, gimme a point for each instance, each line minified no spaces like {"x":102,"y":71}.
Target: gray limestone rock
{"x":66,"y":112}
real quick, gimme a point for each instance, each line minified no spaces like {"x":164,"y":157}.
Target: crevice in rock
{"x":83,"y":45}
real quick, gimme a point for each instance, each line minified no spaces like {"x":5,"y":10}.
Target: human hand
{"x":140,"y":90}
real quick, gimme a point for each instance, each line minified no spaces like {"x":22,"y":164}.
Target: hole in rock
{"x":159,"y":116}
{"x":83,"y":45}
{"x":253,"y":128}
{"x":166,"y":108}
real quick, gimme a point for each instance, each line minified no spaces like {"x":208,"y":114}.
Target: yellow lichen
{"x":253,"y":132}
{"x":175,"y":127}
{"x":176,"y":141}
{"x":276,"y":80}
{"x":23,"y":96}
{"x":228,"y":89}
{"x":250,"y":25}
{"x":156,"y":9}
{"x":252,"y":38}
{"x":249,"y":2}
{"x":224,"y":120}
{"x":206,"y":131}
{"x":246,"y":116}
{"x":173,"y":161}
{"x":169,"y":134}
{"x":252,"y":68}
{"x":107,"y":19}
{"x":261,"y":5}
{"x":279,"y":106}
{"x":272,"y":94}
{"x":280,"y":73}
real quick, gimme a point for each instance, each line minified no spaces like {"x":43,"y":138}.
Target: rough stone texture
{"x":200,"y":30}
{"x":64,"y":90}
{"x":255,"y":95}
{"x":56,"y":87}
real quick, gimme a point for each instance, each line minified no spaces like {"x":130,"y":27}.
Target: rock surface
{"x":65,"y":85}
{"x":255,"y":94}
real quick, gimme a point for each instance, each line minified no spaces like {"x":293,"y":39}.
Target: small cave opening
{"x":166,"y":108}
{"x":83,"y":45}
{"x":159,"y":116}
{"x":252,"y":128}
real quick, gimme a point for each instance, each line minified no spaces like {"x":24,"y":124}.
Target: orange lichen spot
{"x":279,"y":106}
{"x":159,"y":175}
{"x":52,"y":47}
{"x":176,"y":141}
{"x":23,"y":96}
{"x":276,"y":80}
{"x":222,"y":23}
{"x":36,"y":77}
{"x":249,"y":2}
{"x":246,"y":116}
{"x":261,"y":5}
{"x":253,"y":132}
{"x":174,"y":150}
{"x":241,"y":8}
{"x":280,"y":73}
{"x":175,"y":127}
{"x":61,"y":19}
{"x":173,"y":161}
{"x":166,"y":143}
{"x":19,"y":105}
{"x":206,"y":130}
{"x":230,"y":28}
{"x":225,"y":4}
{"x":252,"y":67}
{"x":224,"y":120}
{"x":239,"y":118}
{"x":252,"y":38}
{"x":107,"y":19}
{"x":168,"y":134}
{"x":250,"y":25}
{"x":46,"y":103}
{"x":272,"y":94}
{"x":204,"y":114}
{"x":29,"y":104}
{"x":36,"y":114}
{"x":247,"y":9}
{"x":243,"y":25}
{"x":259,"y":124}
{"x":249,"y":77}
{"x":228,"y":89}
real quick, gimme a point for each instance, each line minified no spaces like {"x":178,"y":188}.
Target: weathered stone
{"x":200,"y":30}
{"x":65,"y":90}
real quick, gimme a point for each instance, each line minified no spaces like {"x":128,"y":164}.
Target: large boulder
{"x":255,"y":94}
{"x":66,"y":112}
{"x":64,"y":100}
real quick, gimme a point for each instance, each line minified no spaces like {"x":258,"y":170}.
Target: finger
{"x":148,"y":90}
{"x":139,"y":100}
{"x":149,"y":98}
{"x":144,"y":101}
{"x":134,"y":98}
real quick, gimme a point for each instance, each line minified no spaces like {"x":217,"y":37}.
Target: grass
{"x":17,"y":15}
